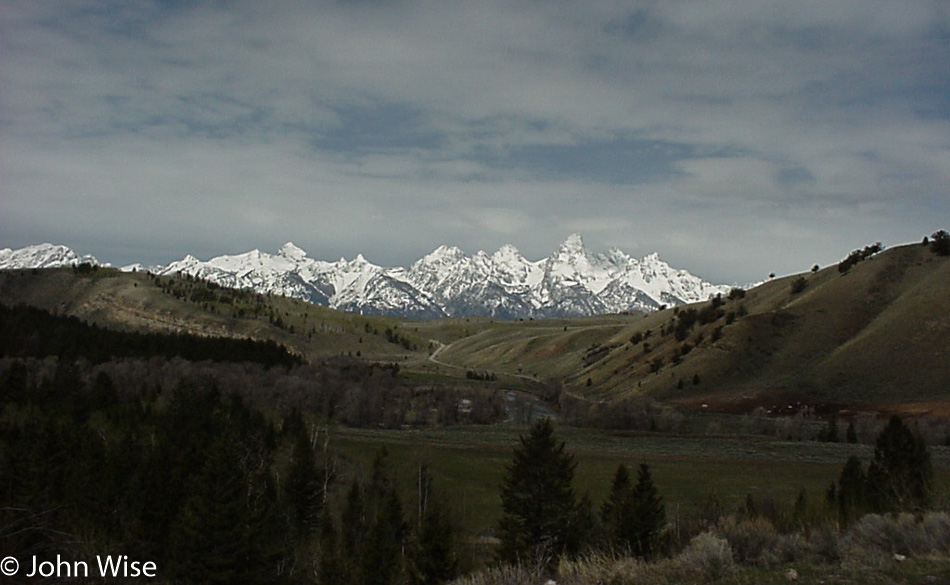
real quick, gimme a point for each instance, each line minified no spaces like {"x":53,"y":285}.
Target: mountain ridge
{"x":857,"y":337}
{"x":447,"y":282}
{"x":847,"y":338}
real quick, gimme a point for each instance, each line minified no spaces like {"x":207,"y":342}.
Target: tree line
{"x":32,"y":332}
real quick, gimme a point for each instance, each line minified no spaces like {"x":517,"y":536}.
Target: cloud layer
{"x":737,"y":139}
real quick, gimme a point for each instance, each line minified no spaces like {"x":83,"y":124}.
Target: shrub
{"x":859,"y":255}
{"x":736,"y":293}
{"x":503,"y":575}
{"x":799,"y":285}
{"x":903,"y":534}
{"x":754,"y":541}
{"x":940,"y":243}
{"x":601,"y":568}
{"x":825,"y":544}
{"x":709,"y":314}
{"x":709,"y":555}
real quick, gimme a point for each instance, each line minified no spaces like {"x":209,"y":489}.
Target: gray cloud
{"x":736,"y":139}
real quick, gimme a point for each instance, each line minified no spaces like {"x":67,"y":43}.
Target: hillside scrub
{"x":875,"y":550}
{"x":859,"y":256}
{"x":940,"y":243}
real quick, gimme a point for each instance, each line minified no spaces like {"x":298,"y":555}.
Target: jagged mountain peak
{"x":289,"y":250}
{"x":43,"y":256}
{"x":445,"y":282}
{"x":573,"y":247}
{"x":361,"y":260}
{"x":507,"y":251}
{"x":443,"y":255}
{"x":618,"y":256}
{"x":574,"y":241}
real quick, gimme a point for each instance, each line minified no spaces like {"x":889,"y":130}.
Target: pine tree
{"x":587,"y":533}
{"x":373,"y":529}
{"x":304,"y":488}
{"x":14,"y":382}
{"x":617,"y":511}
{"x":218,"y":536}
{"x":382,"y":560}
{"x":433,"y":558}
{"x":650,"y":513}
{"x":800,"y":510}
{"x":852,"y":491}
{"x":900,"y":478}
{"x":352,"y":532}
{"x":830,"y":433}
{"x":851,"y":435}
{"x":538,"y":501}
{"x":330,"y":569}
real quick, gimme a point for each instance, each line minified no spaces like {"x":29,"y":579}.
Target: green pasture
{"x":468,"y":464}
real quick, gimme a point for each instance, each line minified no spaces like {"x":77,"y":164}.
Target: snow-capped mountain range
{"x":445,"y":283}
{"x":42,"y":256}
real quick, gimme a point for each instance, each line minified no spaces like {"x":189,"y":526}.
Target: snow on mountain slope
{"x":445,"y":282}
{"x":42,"y":256}
{"x":513,"y":272}
{"x":289,"y":273}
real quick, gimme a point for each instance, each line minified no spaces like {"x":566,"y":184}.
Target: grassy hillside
{"x":138,"y":301}
{"x":875,"y":336}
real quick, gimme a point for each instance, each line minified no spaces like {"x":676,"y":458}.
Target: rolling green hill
{"x":873,"y":337}
{"x":139,"y":301}
{"x":876,"y":336}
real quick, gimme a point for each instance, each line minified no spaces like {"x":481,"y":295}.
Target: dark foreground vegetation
{"x":210,"y":489}
{"x":152,"y":447}
{"x":218,"y":460}
{"x":873,"y":518}
{"x":215,"y":489}
{"x":197,"y":482}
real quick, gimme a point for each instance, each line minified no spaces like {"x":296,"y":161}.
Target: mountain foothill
{"x":867,"y":333}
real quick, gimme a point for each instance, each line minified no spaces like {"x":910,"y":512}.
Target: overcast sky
{"x":736,"y":138}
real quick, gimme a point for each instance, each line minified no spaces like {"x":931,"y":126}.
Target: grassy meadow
{"x":468,"y":464}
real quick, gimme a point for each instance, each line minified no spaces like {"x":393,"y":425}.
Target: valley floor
{"x":469,"y":462}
